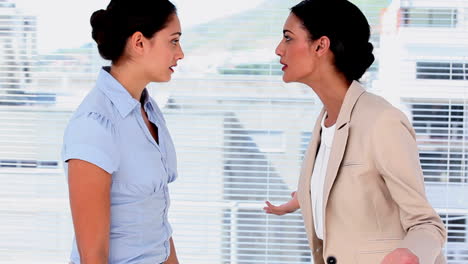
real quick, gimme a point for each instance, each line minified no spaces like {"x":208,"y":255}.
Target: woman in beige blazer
{"x":361,"y":188}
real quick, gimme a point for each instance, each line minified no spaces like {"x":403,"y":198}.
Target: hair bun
{"x":370,"y":47}
{"x":369,"y":55}
{"x":100,"y":22}
{"x":355,"y":60}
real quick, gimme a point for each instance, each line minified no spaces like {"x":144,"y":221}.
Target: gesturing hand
{"x":289,"y":207}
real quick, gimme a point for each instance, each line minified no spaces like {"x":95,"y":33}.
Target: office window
{"x":457,"y":237}
{"x":251,"y":69}
{"x":441,"y":132}
{"x":442,"y":70}
{"x":429,"y":17}
{"x":305,"y":139}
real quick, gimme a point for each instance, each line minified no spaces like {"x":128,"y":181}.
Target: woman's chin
{"x":286,"y":79}
{"x":162,"y":79}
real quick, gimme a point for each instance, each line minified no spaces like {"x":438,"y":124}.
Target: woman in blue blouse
{"x":117,"y":150}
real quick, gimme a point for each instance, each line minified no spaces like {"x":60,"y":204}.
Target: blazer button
{"x":331,"y":260}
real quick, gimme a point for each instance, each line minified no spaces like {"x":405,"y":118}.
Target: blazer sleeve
{"x":396,"y":157}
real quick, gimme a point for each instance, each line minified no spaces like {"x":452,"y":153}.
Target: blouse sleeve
{"x":92,"y":137}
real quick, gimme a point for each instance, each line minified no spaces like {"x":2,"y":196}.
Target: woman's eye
{"x":287,"y":38}
{"x":175,"y":41}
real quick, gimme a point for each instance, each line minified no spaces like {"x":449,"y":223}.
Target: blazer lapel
{"x":303,"y":191}
{"x":339,"y":143}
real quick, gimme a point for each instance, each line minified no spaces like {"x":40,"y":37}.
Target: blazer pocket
{"x":377,"y":249}
{"x":351,"y":164}
{"x":374,"y":257}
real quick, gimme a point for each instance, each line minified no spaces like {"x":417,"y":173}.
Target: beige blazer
{"x":374,"y":197}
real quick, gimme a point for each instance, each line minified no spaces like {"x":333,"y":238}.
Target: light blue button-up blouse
{"x":108,"y":130}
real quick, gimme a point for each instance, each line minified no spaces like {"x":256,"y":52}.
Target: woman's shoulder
{"x":96,"y":106}
{"x":95,"y":114}
{"x":91,"y":134}
{"x":374,"y":102}
{"x":371,"y":108}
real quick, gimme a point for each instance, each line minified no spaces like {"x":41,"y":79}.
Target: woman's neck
{"x":331,"y":92}
{"x":130,"y":78}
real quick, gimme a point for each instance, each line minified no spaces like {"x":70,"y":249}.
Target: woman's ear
{"x":322,"y":45}
{"x":136,"y":43}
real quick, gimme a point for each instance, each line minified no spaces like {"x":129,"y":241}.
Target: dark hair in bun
{"x":113,"y":26}
{"x":346,"y":27}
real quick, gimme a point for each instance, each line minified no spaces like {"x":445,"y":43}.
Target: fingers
{"x":273,"y":209}
{"x":269,"y":209}
{"x":271,"y":206}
